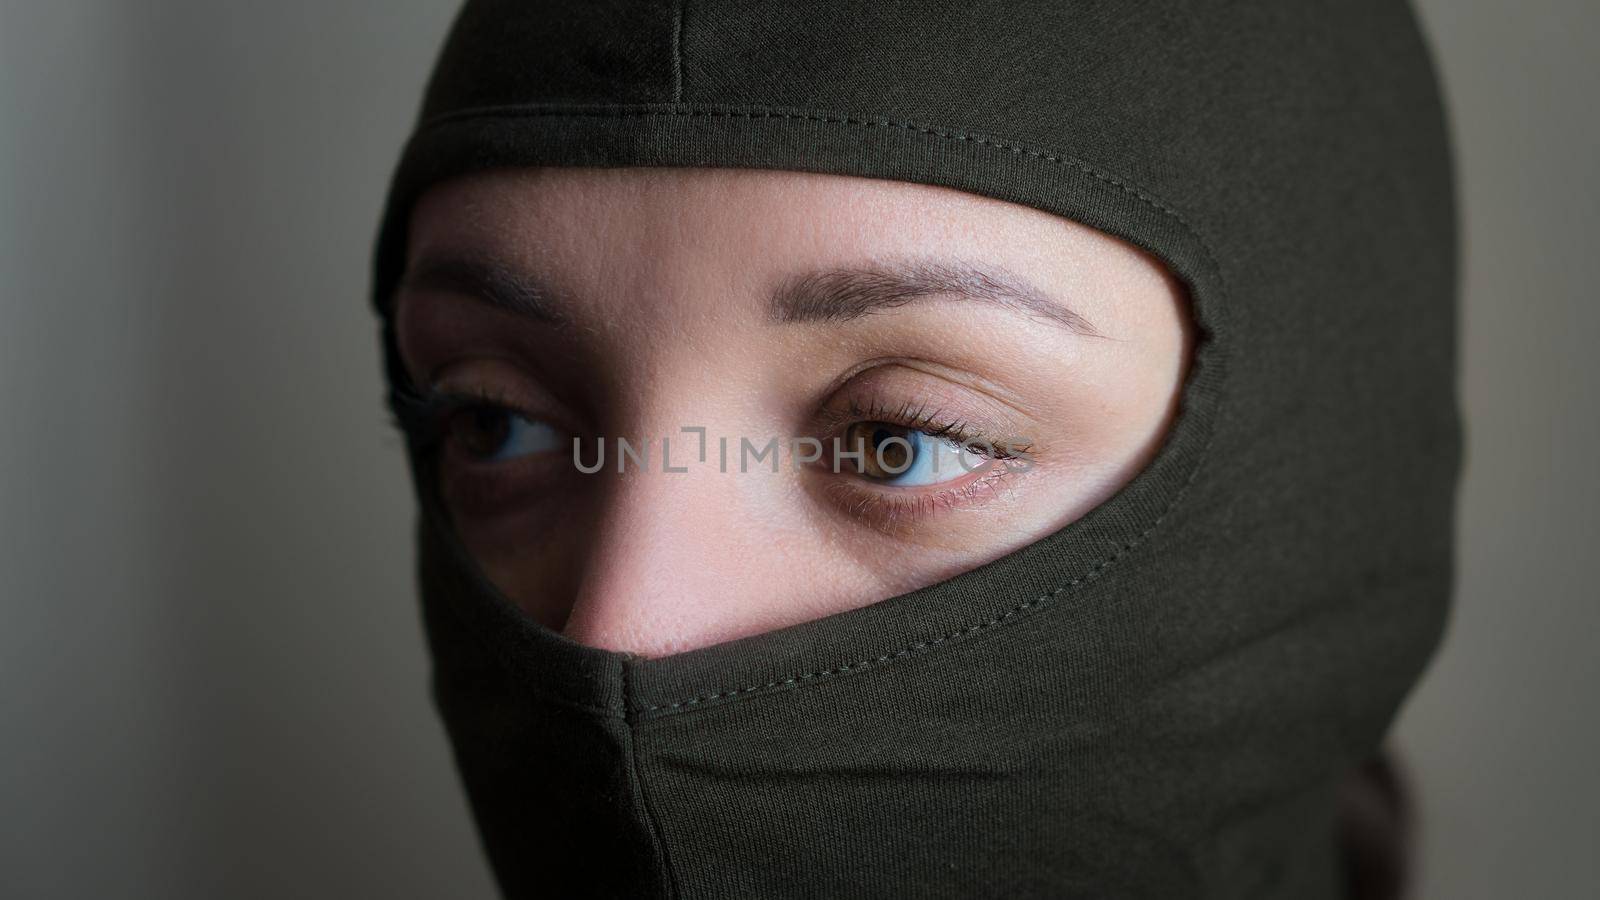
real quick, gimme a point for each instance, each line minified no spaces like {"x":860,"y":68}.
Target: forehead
{"x":611,"y":236}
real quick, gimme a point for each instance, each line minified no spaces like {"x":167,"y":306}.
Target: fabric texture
{"x":1167,"y":697}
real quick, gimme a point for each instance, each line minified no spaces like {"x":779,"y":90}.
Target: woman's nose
{"x":679,"y":560}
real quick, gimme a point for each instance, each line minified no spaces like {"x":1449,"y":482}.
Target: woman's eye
{"x":497,"y":434}
{"x":904,"y":457}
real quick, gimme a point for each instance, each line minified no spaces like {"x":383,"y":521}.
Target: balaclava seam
{"x":999,"y":144}
{"x":1182,"y":727}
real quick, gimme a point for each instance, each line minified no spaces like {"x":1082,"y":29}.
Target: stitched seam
{"x":636,"y":781}
{"x":1009,"y":146}
{"x":1013,"y":148}
{"x":1018,"y":610}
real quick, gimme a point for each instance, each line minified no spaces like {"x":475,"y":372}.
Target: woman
{"x":928,"y":449}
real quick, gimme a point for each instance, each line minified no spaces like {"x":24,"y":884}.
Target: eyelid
{"x":894,"y":509}
{"x":504,"y":383}
{"x":906,"y":415}
{"x":423,"y":415}
{"x":913,"y":397}
{"x":1006,"y":403}
{"x":934,"y":423}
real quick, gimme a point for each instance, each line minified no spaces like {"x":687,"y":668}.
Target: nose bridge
{"x":677,"y":542}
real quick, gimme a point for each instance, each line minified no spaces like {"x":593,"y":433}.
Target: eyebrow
{"x":840,"y":295}
{"x":834,"y":295}
{"x":498,"y":285}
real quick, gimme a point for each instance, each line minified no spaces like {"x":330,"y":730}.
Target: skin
{"x":662,"y":283}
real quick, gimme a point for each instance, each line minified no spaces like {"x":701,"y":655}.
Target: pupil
{"x":482,"y":431}
{"x":882,"y":457}
{"x":891,"y":459}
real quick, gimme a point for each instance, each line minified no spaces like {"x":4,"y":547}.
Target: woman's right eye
{"x":497,"y":434}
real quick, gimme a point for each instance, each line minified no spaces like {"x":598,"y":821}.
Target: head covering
{"x":1161,"y":699}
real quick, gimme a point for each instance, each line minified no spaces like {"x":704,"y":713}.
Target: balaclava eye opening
{"x":1159,"y":700}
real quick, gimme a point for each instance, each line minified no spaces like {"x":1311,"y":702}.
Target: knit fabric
{"x":1161,"y":699}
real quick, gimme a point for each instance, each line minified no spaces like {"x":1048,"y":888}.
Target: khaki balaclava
{"x":1159,"y":700}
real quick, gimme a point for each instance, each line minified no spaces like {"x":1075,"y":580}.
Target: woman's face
{"x":938,"y":379}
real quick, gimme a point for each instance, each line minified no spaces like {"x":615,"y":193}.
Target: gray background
{"x":211,"y":670}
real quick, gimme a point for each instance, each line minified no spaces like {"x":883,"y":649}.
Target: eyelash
{"x":917,"y":416}
{"x":889,"y":506}
{"x":422,"y":419}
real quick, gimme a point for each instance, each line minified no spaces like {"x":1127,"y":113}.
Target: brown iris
{"x":481,"y":431}
{"x":879,"y":455}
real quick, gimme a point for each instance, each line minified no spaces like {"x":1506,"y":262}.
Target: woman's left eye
{"x":497,"y":434}
{"x":903,"y":457}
